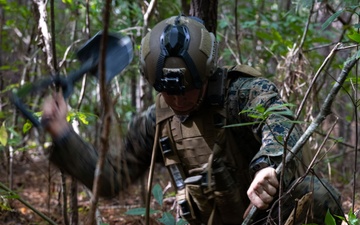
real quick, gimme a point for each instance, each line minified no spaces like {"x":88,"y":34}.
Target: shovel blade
{"x":119,"y":54}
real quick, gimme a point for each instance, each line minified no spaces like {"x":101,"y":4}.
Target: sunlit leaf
{"x":3,"y":135}
{"x":27,"y":126}
{"x":260,"y":108}
{"x":83,"y":118}
{"x":355,"y":36}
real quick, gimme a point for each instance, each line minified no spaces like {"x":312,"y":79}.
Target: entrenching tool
{"x":119,"y":54}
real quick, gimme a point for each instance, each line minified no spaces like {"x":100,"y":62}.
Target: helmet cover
{"x":185,"y":46}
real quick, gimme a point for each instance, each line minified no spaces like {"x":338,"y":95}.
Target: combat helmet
{"x":185,"y":42}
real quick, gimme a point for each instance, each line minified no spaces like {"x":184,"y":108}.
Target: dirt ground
{"x":39,"y":184}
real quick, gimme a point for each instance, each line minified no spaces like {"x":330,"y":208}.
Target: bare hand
{"x":54,"y":115}
{"x":263,"y":188}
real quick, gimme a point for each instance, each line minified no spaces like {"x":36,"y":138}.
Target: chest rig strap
{"x":187,"y":149}
{"x":171,"y":158}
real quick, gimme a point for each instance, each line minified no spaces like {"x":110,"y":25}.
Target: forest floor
{"x":39,"y":184}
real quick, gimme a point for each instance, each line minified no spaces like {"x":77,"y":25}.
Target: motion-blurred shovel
{"x":119,"y":54}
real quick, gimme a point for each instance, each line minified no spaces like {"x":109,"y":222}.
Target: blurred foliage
{"x":286,"y":40}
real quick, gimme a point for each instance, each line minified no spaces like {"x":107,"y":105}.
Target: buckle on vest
{"x":166,"y":146}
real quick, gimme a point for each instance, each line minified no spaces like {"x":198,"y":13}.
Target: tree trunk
{"x":207,"y":11}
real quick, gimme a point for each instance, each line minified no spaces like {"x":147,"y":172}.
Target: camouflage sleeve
{"x":272,"y":128}
{"x":78,"y":158}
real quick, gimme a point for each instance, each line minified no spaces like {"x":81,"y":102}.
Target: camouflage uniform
{"x":248,"y":148}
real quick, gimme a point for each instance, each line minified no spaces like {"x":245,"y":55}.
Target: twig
{"x":4,"y":187}
{"x":104,"y":141}
{"x":151,"y":175}
{"x":306,"y":28}
{"x":356,"y":104}
{"x":312,"y":163}
{"x":64,"y":197}
{"x":237,"y":33}
{"x":53,"y":40}
{"x":314,"y":80}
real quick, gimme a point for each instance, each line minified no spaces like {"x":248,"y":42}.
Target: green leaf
{"x":283,"y":113}
{"x":329,"y":219}
{"x":139,"y":211}
{"x":331,"y":19}
{"x":355,"y":36}
{"x":167,"y":219}
{"x":158,"y":195}
{"x":275,"y":108}
{"x":248,"y":24}
{"x":3,"y":135}
{"x":223,"y":23}
{"x":83,"y":118}
{"x":12,"y":196}
{"x":241,"y":124}
{"x":9,"y":87}
{"x":280,"y":138}
{"x":260,"y":108}
{"x":27,"y":126}
{"x":352,"y":219}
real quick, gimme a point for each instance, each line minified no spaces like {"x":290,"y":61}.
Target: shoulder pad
{"x":245,"y":70}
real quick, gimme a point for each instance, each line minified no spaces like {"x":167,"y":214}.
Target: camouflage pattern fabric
{"x":261,"y":140}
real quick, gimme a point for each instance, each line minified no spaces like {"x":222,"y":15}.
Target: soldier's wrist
{"x":259,"y":164}
{"x":60,"y":135}
{"x":58,"y":129}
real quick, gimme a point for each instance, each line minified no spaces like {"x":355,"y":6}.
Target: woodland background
{"x":300,"y":45}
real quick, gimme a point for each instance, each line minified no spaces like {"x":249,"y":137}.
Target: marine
{"x":209,"y":130}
